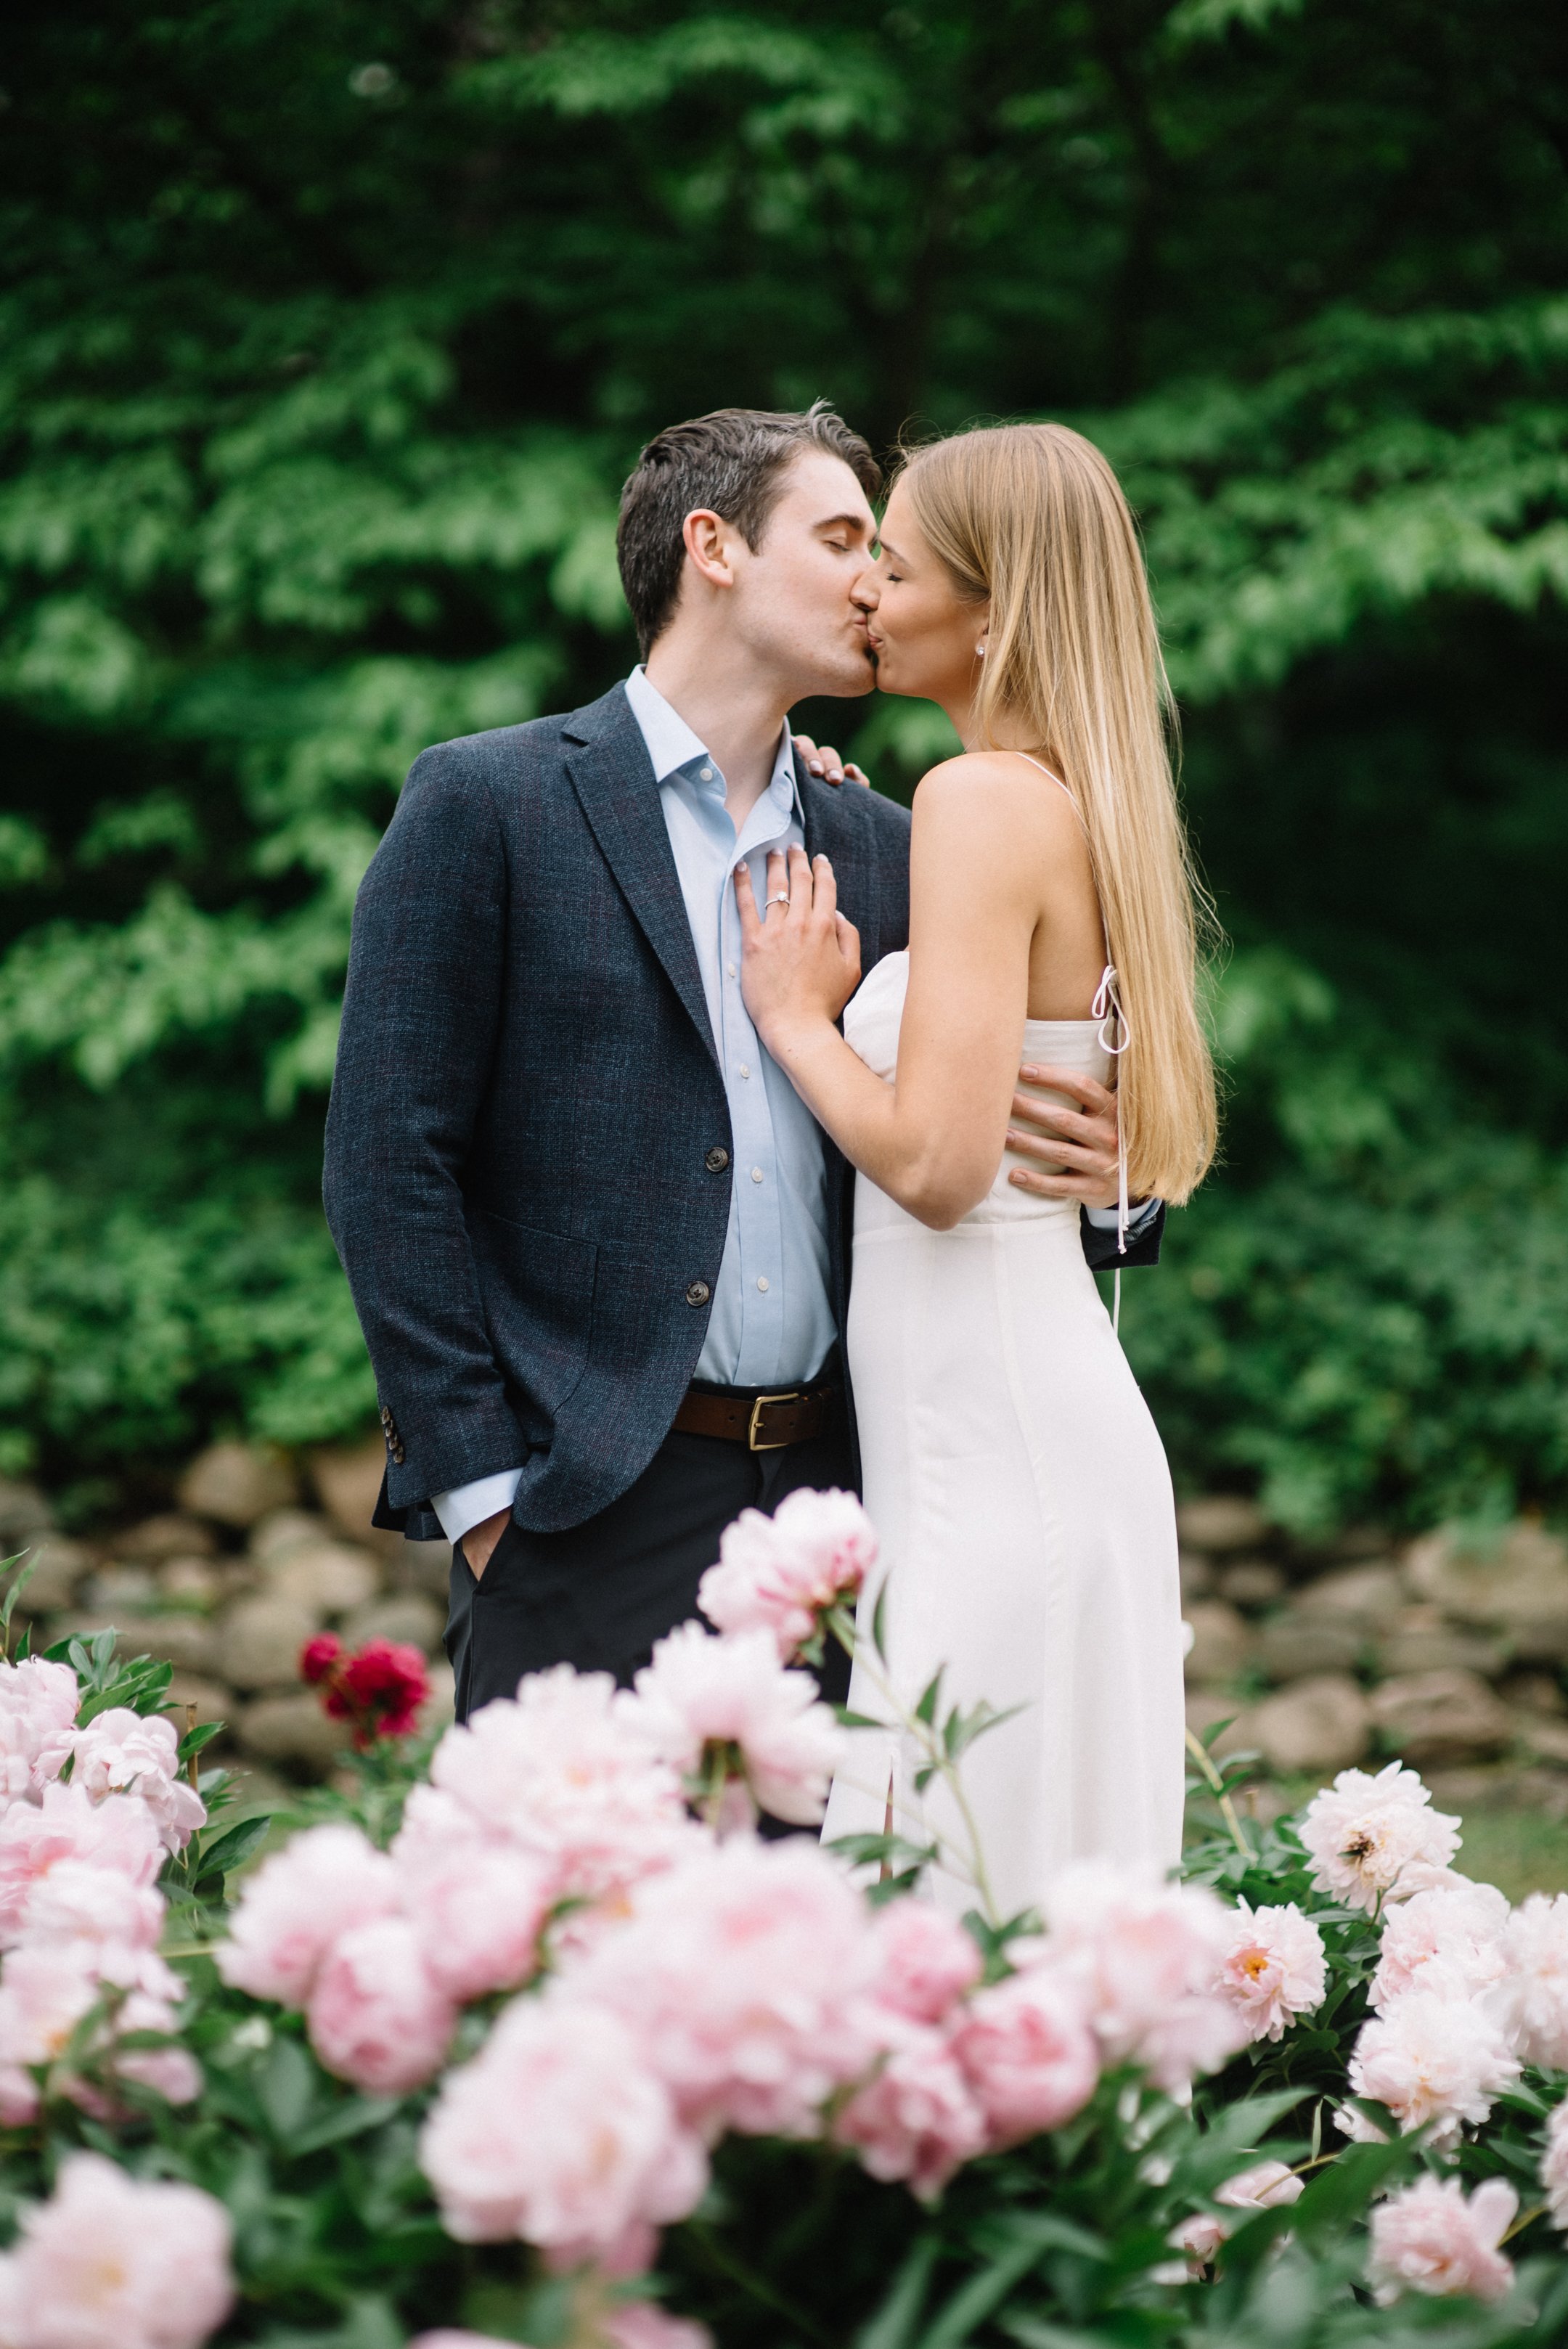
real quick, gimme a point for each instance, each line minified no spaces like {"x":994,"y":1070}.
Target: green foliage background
{"x":328,"y":334}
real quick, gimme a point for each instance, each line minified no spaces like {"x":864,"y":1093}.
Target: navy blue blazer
{"x":523,"y":1174}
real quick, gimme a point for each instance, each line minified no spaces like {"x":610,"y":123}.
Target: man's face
{"x":793,"y":609}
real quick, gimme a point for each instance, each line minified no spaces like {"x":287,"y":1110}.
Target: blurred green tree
{"x":329,"y":333}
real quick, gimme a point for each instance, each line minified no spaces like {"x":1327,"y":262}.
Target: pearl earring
{"x":979,"y":652}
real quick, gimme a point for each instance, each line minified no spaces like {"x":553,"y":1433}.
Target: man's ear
{"x":707,"y":538}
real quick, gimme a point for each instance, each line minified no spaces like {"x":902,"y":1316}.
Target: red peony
{"x":318,"y":1656}
{"x":379,"y":1689}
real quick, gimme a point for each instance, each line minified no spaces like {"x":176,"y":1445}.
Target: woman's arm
{"x":933,"y":1140}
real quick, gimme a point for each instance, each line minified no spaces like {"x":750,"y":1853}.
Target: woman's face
{"x":924,"y":636}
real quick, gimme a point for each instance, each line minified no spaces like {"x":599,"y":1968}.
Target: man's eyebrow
{"x":845,"y":521}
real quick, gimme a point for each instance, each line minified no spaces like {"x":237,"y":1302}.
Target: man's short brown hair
{"x":731,"y":463}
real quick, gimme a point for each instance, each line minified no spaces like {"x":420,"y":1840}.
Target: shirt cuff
{"x":1104,"y":1220}
{"x":467,"y":1506}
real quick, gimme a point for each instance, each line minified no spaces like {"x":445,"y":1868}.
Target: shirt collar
{"x":672,"y":745}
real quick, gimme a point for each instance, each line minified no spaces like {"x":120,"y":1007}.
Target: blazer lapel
{"x":612,"y":775}
{"x":837,"y":827}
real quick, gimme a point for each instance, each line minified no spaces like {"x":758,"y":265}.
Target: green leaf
{"x":893,"y":2325}
{"x":231,"y":1849}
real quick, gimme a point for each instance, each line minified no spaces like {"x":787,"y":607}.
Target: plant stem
{"x":924,"y":1734}
{"x":1200,"y":1753}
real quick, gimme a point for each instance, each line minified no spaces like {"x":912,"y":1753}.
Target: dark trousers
{"x":599,"y":1595}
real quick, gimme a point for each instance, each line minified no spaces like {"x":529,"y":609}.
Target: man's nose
{"x":866,"y":591}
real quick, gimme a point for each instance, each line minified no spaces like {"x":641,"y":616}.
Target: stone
{"x":24,"y":1512}
{"x":1422,"y":1640}
{"x":235,"y":1483}
{"x":130,"y":1589}
{"x":439,"y":1710}
{"x":1322,"y":1723}
{"x":407,"y":1616}
{"x":1205,"y":1706}
{"x":282,"y":1530}
{"x":347,"y":1481}
{"x":1222,"y":1642}
{"x":212,"y":1700}
{"x":1294,"y":1646}
{"x":187,"y":1642}
{"x":1221,"y":1523}
{"x":1534,"y":1692}
{"x":173,"y":1534}
{"x":191,"y":1581}
{"x":421,"y":1565}
{"x":1517,"y":1583}
{"x":1197,"y":1573}
{"x":294,"y":1732}
{"x":1370,"y":1594}
{"x":326,"y":1576}
{"x":260,"y":1640}
{"x":1443,"y":1716}
{"x":59,"y":1567}
{"x":1250,"y":1582}
{"x":1545,"y":1739}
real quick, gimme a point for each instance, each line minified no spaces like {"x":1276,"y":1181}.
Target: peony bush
{"x":548,"y":2032}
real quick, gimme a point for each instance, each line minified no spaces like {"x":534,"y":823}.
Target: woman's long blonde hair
{"x":1031,"y":517}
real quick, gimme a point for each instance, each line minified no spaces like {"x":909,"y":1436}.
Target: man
{"x":598,"y":1248}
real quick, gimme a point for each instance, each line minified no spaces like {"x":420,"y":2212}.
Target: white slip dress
{"x":1026,"y":1522}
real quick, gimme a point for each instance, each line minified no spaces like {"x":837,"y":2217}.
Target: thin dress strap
{"x":1107,"y":1010}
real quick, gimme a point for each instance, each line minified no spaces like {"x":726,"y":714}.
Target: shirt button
{"x":717,"y":1159}
{"x":756,"y":1174}
{"x":698,"y":1292}
{"x":762,"y":1282}
{"x":704,"y":774}
{"x":746,"y":1069}
{"x":731,"y":968}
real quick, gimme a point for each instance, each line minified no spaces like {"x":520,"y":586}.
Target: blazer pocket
{"x":538,"y":1293}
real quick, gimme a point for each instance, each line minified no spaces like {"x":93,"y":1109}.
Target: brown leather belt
{"x":763,"y":1423}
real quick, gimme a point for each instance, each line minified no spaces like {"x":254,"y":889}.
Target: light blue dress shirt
{"x":771,"y":1322}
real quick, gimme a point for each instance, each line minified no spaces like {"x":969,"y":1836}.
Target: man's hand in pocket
{"x":479,"y":1542}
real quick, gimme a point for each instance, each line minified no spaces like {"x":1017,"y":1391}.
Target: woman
{"x":1011,"y":1464}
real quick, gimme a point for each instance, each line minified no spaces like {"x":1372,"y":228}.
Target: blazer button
{"x":718,"y":1158}
{"x":698,"y":1292}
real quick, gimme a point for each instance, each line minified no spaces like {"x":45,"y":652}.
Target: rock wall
{"x":259,"y":1552}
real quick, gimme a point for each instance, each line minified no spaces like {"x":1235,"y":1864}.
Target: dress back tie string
{"x":1108,"y":1010}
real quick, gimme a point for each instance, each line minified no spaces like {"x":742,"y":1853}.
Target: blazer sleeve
{"x":420,"y":1014}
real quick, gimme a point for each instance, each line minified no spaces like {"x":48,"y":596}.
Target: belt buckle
{"x":790,"y":1394}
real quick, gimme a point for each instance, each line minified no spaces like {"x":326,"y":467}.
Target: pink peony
{"x":319,"y":1886}
{"x":375,"y":2016}
{"x":1429,"y":2059}
{"x":559,"y":2134}
{"x":780,"y":1574}
{"x":117,"y":2262}
{"x":745,"y":1973}
{"x":1373,"y":1839}
{"x":1028,"y":2054}
{"x":642,"y":2324}
{"x":477,"y":1907}
{"x":917,"y":2119}
{"x":1449,"y":1939}
{"x":1273,"y":1968}
{"x":1533,"y":1994}
{"x":1264,"y":2186}
{"x":565,"y":1773}
{"x":1429,"y":2238}
{"x":119,"y":1833}
{"x":1146,"y":1957}
{"x":79,"y":1902}
{"x":126,"y":1753}
{"x":169,"y":2072}
{"x":44,"y":1993}
{"x":704,"y":1701}
{"x":38,"y":1714}
{"x":1554,"y":2167}
{"x":926,"y":1961}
